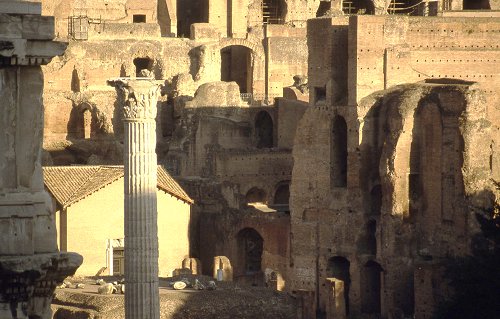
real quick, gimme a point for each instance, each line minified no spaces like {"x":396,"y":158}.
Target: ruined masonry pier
{"x":141,"y":227}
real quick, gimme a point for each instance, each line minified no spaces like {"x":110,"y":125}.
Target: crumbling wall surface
{"x":419,"y":166}
{"x":111,"y":11}
{"x":286,"y":57}
{"x":327,"y":59}
{"x":388,"y":50}
{"x":76,"y":83}
{"x":289,"y":114}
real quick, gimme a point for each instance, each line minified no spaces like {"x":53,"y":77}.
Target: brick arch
{"x":254,"y":47}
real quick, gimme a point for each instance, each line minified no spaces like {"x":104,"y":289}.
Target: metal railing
{"x":259,"y":99}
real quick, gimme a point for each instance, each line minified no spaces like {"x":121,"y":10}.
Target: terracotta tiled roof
{"x":70,"y":184}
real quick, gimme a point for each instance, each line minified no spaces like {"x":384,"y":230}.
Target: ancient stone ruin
{"x":31,"y":265}
{"x":335,"y":150}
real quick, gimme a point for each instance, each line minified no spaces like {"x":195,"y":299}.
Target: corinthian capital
{"x":141,"y":96}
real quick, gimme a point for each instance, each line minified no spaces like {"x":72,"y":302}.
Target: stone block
{"x":204,"y":31}
{"x":38,"y":27}
{"x":10,"y":26}
{"x":16,"y":236}
{"x":45,"y":235}
{"x":20,"y":7}
{"x":45,"y":49}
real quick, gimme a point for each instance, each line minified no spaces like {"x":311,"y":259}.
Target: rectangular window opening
{"x":139,"y":18}
{"x":320,"y":95}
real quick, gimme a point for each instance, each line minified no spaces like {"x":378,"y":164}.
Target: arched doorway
{"x":80,"y":123}
{"x":370,"y":288}
{"x":250,"y":247}
{"x":264,"y":130}
{"x":237,"y":66}
{"x":338,"y":268}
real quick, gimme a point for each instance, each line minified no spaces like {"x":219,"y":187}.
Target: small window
{"x":142,"y":64}
{"x":320,"y":95}
{"x":139,"y":18}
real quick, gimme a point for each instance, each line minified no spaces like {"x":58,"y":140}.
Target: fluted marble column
{"x":141,"y":227}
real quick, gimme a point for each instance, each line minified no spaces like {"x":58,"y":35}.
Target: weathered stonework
{"x":30,"y":264}
{"x":385,"y":164}
{"x":141,"y":227}
{"x":400,"y":169}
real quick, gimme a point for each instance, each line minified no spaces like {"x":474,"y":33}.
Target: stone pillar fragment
{"x":223,"y":269}
{"x":194,"y":264}
{"x":141,"y":226}
{"x":30,"y":264}
{"x":336,"y":307}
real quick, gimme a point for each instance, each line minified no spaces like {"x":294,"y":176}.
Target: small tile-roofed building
{"x":88,"y":204}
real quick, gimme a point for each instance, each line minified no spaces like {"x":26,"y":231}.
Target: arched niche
{"x":264,"y":130}
{"x":142,"y":64}
{"x":256,"y":195}
{"x":282,"y":197}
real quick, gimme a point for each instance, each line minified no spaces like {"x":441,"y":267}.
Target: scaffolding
{"x":348,"y":7}
{"x":79,"y":24}
{"x":402,"y":7}
{"x":271,"y":12}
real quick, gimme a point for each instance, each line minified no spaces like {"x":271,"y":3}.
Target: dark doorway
{"x":338,"y":268}
{"x":250,"y":247}
{"x":370,"y":288}
{"x":189,"y":12}
{"x":282,"y":198}
{"x":264,"y":130}
{"x":236,"y":65}
{"x":282,"y":195}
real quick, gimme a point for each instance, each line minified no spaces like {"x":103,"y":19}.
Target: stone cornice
{"x":26,"y":40}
